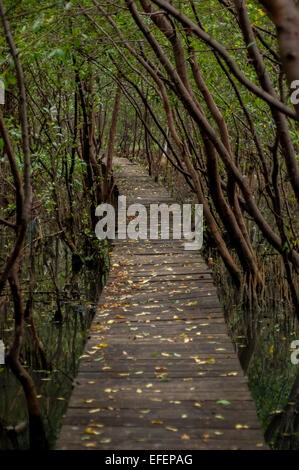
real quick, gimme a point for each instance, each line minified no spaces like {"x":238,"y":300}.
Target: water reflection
{"x":263,"y":338}
{"x":63,"y":343}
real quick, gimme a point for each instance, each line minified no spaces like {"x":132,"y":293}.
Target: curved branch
{"x":188,"y":23}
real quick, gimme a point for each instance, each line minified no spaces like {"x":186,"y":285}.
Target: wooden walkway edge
{"x":159,"y":371}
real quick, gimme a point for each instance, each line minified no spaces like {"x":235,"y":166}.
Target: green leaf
{"x":223,"y":402}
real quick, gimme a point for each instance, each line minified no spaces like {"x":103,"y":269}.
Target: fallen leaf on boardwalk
{"x":223,"y":402}
{"x":242,"y":426}
{"x":198,"y":361}
{"x":157,"y":422}
{"x":219,"y":416}
{"x":170,"y":428}
{"x":95,"y":410}
{"x":91,"y":431}
{"x":90,"y":444}
{"x":185,"y":437}
{"x":138,"y":390}
{"x":211,"y":361}
{"x":96,"y":425}
{"x":88,"y":400}
{"x":197,"y":404}
{"x":192,"y":304}
{"x":105,"y":441}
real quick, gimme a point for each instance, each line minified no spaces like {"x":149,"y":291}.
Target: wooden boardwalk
{"x":159,"y":370}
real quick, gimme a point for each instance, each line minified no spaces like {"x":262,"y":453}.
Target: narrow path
{"x":159,"y":370}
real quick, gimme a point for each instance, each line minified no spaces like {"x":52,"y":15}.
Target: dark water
{"x":63,"y":343}
{"x":263,"y":338}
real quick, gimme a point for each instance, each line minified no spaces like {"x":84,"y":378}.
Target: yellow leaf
{"x":91,"y":431}
{"x":211,"y":361}
{"x":242,"y":426}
